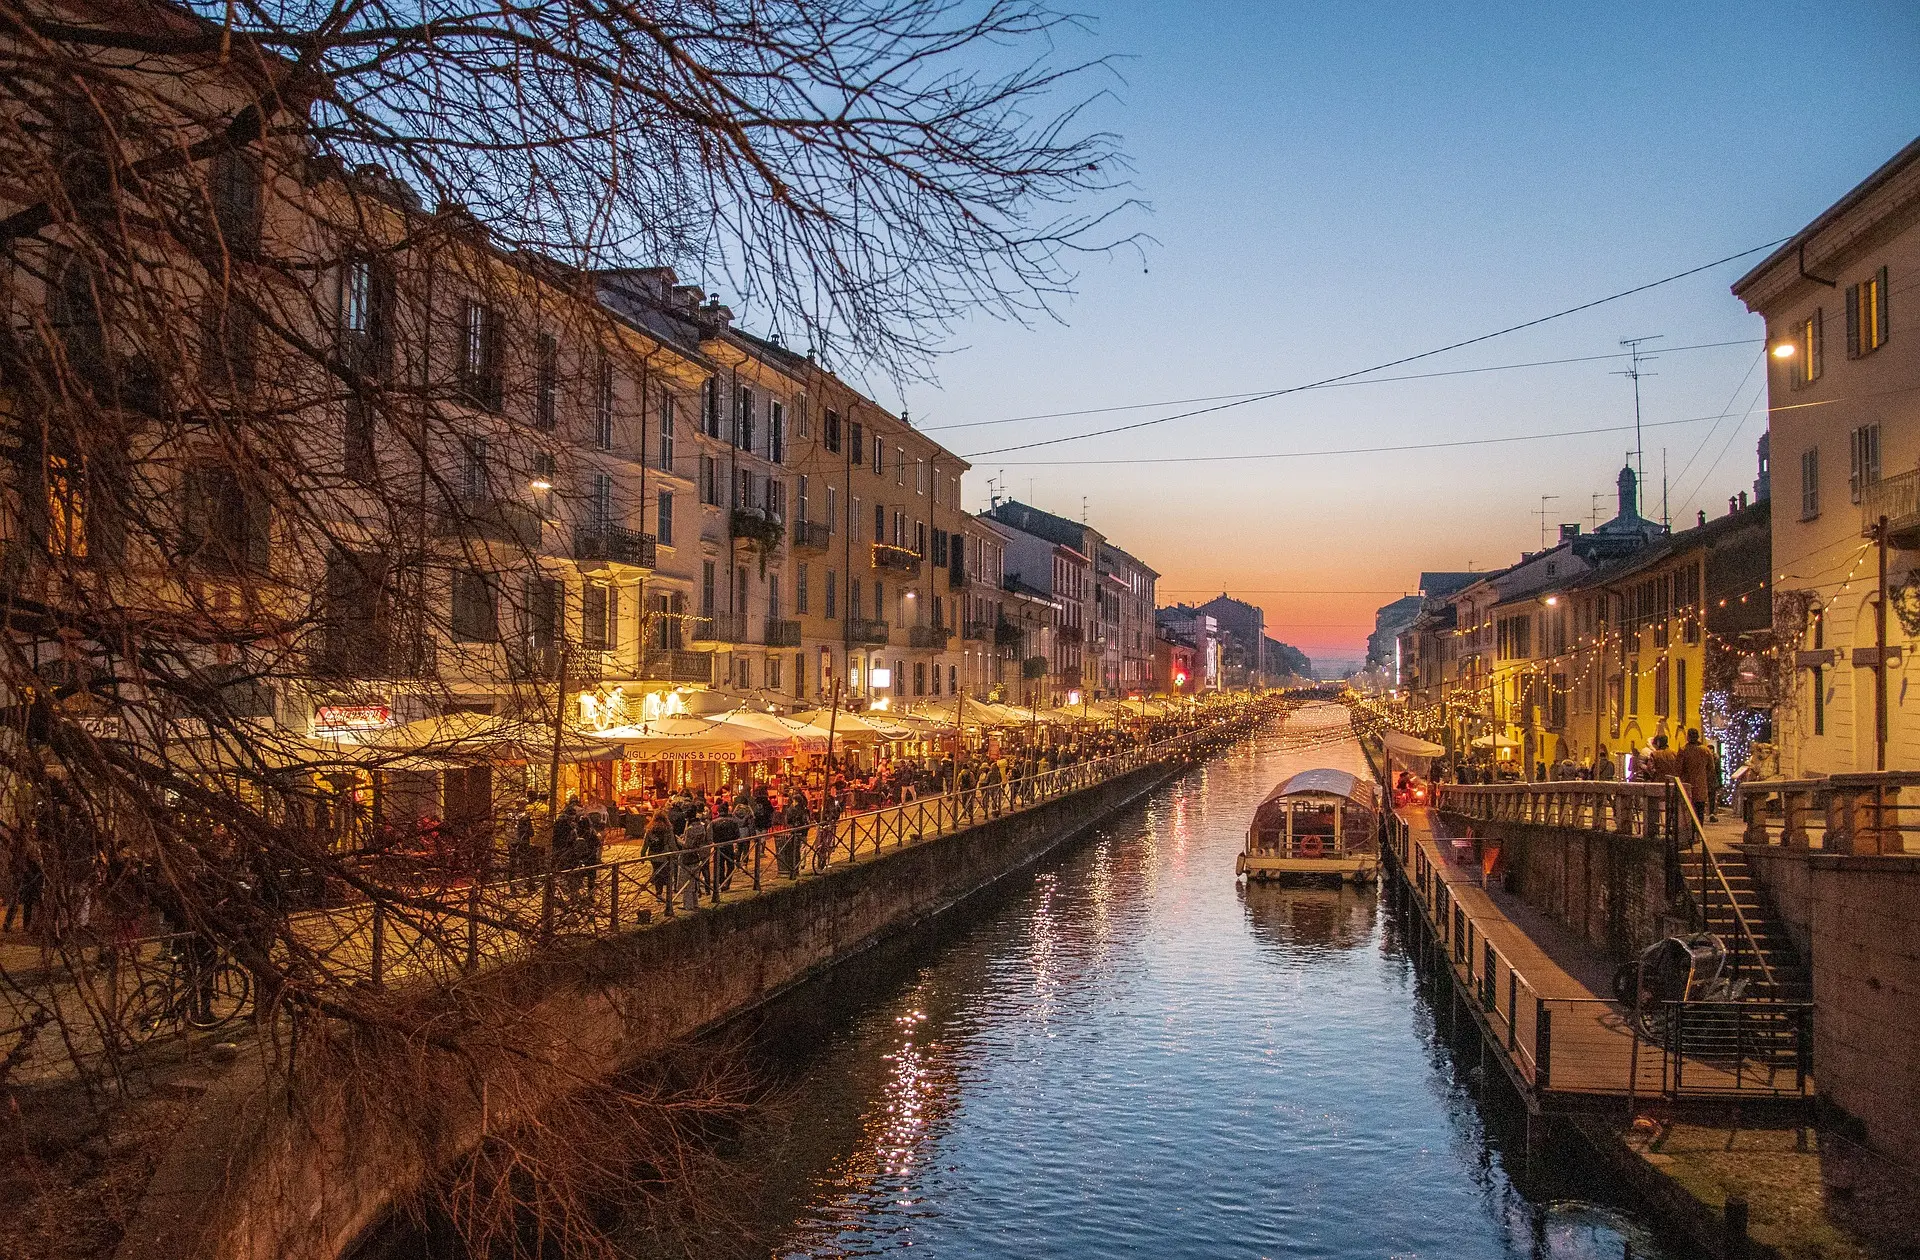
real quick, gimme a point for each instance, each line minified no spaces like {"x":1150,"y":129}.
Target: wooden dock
{"x":1543,"y":1005}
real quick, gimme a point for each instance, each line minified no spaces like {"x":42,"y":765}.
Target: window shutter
{"x":1880,"y":309}
{"x":1853,"y":321}
{"x":259,"y":526}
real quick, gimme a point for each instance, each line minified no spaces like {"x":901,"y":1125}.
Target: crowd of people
{"x":1695,"y":765}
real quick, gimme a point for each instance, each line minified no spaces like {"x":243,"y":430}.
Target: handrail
{"x":1708,"y":862}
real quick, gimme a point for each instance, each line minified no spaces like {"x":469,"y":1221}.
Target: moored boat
{"x":1318,"y":824}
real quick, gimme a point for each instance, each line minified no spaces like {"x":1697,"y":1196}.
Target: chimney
{"x":713,"y":318}
{"x":1743,"y":500}
{"x":1733,"y":505}
{"x":1703,"y":517}
{"x":1569,"y":532}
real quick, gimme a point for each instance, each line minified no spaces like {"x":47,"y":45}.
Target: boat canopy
{"x":1328,"y":783}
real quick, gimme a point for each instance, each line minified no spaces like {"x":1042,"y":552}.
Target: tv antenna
{"x":1637,"y":356}
{"x":1593,"y":512}
{"x":1541,"y":512}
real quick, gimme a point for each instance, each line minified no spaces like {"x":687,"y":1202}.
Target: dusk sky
{"x":1336,"y":186}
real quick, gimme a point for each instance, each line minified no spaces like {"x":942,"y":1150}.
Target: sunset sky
{"x":1337,"y":186}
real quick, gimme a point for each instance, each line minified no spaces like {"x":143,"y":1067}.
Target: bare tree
{"x":299,"y":299}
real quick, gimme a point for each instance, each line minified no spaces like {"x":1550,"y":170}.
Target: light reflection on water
{"x":1134,"y":1055}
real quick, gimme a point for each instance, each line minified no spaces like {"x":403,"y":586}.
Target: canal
{"x":1128,"y":1053}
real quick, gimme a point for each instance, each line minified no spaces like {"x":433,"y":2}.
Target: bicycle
{"x":183,"y":995}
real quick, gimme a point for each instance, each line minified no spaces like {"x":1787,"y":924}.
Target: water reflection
{"x":1291,"y":918}
{"x":1134,"y":1054}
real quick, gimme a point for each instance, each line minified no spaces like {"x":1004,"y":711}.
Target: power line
{"x":1391,"y":363}
{"x":1378,"y":380}
{"x":1356,"y":450}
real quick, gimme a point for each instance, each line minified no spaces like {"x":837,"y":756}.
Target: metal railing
{"x":676,"y":665}
{"x":614,"y":544}
{"x":1595,"y":1045}
{"x":1897,"y":498}
{"x":782,"y":632}
{"x":896,"y":559}
{"x":928,"y":636}
{"x":448,"y":927}
{"x":811,"y":535}
{"x":867,"y":630}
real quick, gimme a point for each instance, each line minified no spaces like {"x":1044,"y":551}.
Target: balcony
{"x":896,"y":559}
{"x":613,"y":544}
{"x":976,"y":632}
{"x":782,"y":633}
{"x":721,"y":628}
{"x":1034,"y":667}
{"x":541,"y":662}
{"x":753,"y":525}
{"x":928,"y":637}
{"x":348,"y":654}
{"x":492,"y":520}
{"x":676,"y":665}
{"x":812,"y":536}
{"x":1006,"y":634}
{"x":863,"y":630}
{"x":1898,"y":499}
{"x":1070,"y":634}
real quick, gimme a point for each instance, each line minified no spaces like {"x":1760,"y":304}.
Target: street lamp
{"x":1784,"y":350}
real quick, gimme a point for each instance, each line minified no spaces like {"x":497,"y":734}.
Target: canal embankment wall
{"x":1852,"y":917}
{"x":1609,"y":890}
{"x":302,"y":1172}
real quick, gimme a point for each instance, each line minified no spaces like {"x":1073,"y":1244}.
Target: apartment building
{"x":1123,"y":608}
{"x":1843,"y":387}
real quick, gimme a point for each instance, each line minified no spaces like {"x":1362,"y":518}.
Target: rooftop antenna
{"x":1593,"y":512}
{"x":1665,"y":523}
{"x":993,"y":492}
{"x":1083,"y":509}
{"x":1633,"y":373}
{"x":1541,"y":512}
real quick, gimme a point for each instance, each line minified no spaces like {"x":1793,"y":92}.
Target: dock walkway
{"x":1542,"y":1000}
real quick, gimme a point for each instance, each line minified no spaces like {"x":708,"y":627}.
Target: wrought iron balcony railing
{"x":781,"y":633}
{"x":896,"y":559}
{"x":492,"y":520}
{"x":676,"y":665}
{"x":976,"y":631}
{"x":721,"y":628}
{"x":1898,"y":499}
{"x":928,"y":636}
{"x":812,"y":535}
{"x":614,"y":544}
{"x":864,"y":630}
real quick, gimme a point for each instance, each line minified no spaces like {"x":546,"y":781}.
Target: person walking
{"x":659,"y":841}
{"x":1696,"y":773}
{"x":792,"y":838}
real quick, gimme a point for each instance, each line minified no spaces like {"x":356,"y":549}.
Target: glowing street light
{"x":1784,"y":350}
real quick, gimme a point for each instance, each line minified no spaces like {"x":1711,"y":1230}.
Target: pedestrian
{"x":1696,"y":773}
{"x":723,"y":834}
{"x":1663,"y":764}
{"x":520,"y":848}
{"x":1603,"y":767}
{"x":659,"y":842}
{"x":792,"y":837}
{"x":29,"y":885}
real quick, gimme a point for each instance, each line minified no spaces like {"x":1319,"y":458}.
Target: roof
{"x":1032,"y":520}
{"x":1437,"y":584}
{"x":1712,"y":534}
{"x":1826,"y":218}
{"x":1328,"y":782}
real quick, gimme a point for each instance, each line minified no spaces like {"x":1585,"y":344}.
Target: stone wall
{"x":1857,"y":915}
{"x":1609,"y":890}
{"x":269,"y":1174}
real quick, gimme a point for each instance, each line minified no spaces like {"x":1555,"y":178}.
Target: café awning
{"x":1412,"y":747}
{"x":685,"y":737}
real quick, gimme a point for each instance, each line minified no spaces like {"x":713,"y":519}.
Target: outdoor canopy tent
{"x":1496,"y":741}
{"x":806,"y":737}
{"x":1412,"y":748}
{"x":684,"y":737}
{"x":856,"y":729}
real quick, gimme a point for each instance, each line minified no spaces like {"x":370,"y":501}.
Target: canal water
{"x":1131,"y":1054}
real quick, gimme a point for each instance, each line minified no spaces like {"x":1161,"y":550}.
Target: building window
{"x":666,"y":434}
{"x":879,"y":455}
{"x":777,"y":433}
{"x":879,"y":522}
{"x":236,"y":200}
{"x":602,"y":500}
{"x":1680,"y":693}
{"x":476,"y":482}
{"x":603,"y":407}
{"x":773,"y":672}
{"x":599,"y":609}
{"x":855,"y":442}
{"x":546,"y":382}
{"x":1809,"y":483}
{"x":1867,"y":315}
{"x":476,"y":611}
{"x":706,"y":588}
{"x":1819,"y":680}
{"x":1863,"y":459}
{"x":709,"y":480}
{"x":776,"y":498}
{"x":1809,"y":351}
{"x":743,"y":418}
{"x":710,"y":406}
{"x":800,"y":590}
{"x":832,"y":594}
{"x":663,"y":531}
{"x":480,"y":355}
{"x":366,"y":314}
{"x":800,"y":501}
{"x":358,"y":441}
{"x":832,"y":437}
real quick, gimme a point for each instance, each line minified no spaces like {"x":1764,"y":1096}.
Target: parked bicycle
{"x":191,"y":992}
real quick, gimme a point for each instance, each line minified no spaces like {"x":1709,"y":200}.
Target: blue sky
{"x":1336,"y":186}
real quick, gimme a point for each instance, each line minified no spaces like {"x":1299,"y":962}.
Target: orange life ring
{"x":1310,"y":846}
